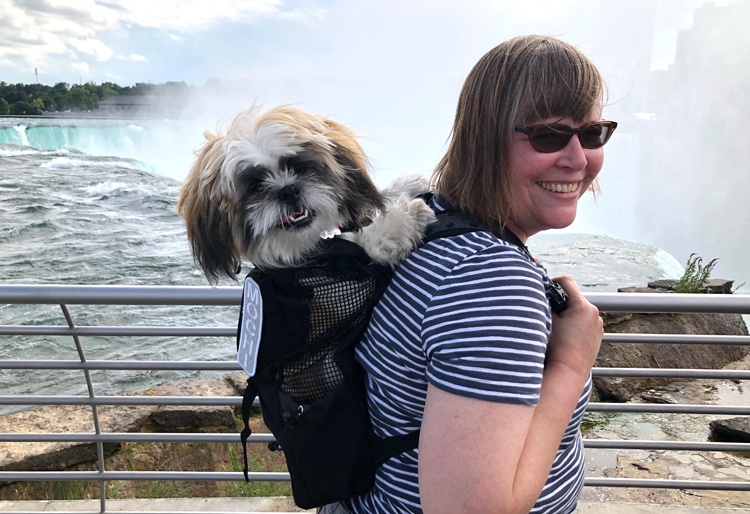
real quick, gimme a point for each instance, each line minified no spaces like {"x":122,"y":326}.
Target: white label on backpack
{"x":252,"y":325}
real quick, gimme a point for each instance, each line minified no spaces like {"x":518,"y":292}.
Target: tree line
{"x":33,"y":99}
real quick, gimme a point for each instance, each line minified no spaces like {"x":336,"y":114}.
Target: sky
{"x":391,"y":69}
{"x":130,"y":41}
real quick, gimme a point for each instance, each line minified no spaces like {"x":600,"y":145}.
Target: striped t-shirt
{"x":468,"y":314}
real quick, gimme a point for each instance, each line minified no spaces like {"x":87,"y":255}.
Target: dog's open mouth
{"x":298,"y":219}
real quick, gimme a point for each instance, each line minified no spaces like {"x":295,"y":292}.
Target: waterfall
{"x":165,"y":145}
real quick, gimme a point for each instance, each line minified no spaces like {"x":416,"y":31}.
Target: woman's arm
{"x":480,"y":456}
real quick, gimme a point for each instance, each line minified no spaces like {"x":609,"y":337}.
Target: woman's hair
{"x":525,"y":79}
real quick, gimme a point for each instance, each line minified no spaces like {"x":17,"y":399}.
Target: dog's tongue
{"x":297,"y":214}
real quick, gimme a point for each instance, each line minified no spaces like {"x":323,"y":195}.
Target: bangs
{"x":559,"y":82}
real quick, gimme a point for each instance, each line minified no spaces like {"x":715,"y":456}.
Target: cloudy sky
{"x":131,"y":41}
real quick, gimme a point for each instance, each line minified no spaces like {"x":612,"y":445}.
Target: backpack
{"x":311,"y":389}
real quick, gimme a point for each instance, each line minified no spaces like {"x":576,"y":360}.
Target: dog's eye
{"x":299,"y":169}
{"x":251,"y":177}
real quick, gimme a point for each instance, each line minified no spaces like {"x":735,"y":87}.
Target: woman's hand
{"x":576,"y":332}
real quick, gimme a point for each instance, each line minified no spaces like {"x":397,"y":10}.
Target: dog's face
{"x":270,"y":186}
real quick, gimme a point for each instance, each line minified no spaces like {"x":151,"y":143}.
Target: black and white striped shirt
{"x":468,"y":314}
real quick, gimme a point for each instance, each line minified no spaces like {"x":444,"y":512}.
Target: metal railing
{"x":143,"y":295}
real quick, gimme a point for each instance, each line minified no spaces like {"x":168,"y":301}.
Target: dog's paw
{"x":411,"y":185}
{"x":397,"y":232}
{"x":422,"y":214}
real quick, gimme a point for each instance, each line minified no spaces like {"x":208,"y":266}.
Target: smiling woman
{"x":463,"y":345}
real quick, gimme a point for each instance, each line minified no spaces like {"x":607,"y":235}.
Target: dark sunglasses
{"x":554,"y":137}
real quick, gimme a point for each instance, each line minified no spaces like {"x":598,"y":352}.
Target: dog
{"x":270,"y":189}
{"x":276,"y":182}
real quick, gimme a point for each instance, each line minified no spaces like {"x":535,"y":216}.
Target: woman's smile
{"x":560,"y":187}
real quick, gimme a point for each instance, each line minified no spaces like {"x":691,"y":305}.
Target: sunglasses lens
{"x":547,"y":139}
{"x":594,"y":136}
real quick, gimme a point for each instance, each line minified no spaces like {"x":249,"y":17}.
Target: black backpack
{"x":311,"y":388}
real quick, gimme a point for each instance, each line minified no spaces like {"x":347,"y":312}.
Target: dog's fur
{"x":275,"y":181}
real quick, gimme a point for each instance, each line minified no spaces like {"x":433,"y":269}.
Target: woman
{"x":463,"y":344}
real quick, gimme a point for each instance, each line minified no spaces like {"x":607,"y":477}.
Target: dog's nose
{"x":288,"y":194}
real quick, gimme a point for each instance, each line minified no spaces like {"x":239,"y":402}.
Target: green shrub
{"x":21,"y":108}
{"x":696,"y":275}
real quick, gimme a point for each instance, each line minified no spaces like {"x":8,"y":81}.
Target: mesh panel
{"x":340,"y":300}
{"x":453,"y":221}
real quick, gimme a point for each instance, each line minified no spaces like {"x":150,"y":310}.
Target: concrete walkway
{"x":285,"y":505}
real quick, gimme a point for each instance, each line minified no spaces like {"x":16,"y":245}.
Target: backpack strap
{"x":248,"y":398}
{"x":399,"y":444}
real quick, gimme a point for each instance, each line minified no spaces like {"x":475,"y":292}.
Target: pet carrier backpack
{"x":311,"y":388}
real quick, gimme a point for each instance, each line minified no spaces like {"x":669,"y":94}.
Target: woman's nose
{"x":573,"y":155}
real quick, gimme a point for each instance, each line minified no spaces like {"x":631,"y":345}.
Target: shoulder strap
{"x":456,"y":223}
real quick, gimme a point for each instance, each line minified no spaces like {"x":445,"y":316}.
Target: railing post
{"x":94,"y":410}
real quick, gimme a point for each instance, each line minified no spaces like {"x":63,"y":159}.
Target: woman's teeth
{"x":560,"y":188}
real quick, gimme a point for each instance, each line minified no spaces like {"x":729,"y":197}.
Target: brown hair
{"x":522,"y":80}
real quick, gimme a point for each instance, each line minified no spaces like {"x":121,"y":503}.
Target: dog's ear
{"x":362,"y":200}
{"x":208,"y":214}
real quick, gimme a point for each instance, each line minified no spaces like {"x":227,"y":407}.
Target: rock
{"x":663,"y":284}
{"x":188,"y":416}
{"x":653,"y":398}
{"x":714,"y":286}
{"x":633,"y":289}
{"x":719,"y":286}
{"x":64,"y":418}
{"x":626,"y":355}
{"x":239,"y":382}
{"x":731,"y":430}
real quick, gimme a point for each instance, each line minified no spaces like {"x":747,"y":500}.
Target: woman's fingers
{"x":570,"y":287}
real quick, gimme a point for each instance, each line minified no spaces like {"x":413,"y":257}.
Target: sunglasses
{"x":554,"y":137}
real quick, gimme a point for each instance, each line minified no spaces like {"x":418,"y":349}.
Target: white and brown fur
{"x":268,"y":187}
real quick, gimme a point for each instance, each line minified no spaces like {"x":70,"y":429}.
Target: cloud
{"x":34,"y":32}
{"x":80,"y":66}
{"x":132,"y":57}
{"x":194,"y":15}
{"x":92,"y":47}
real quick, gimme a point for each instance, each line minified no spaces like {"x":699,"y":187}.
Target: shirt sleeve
{"x":486,"y":327}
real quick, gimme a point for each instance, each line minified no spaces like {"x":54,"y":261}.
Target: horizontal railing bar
{"x":677,"y":408}
{"x":122,"y":365}
{"x":120,"y":295}
{"x":121,"y":400}
{"x":672,"y":373}
{"x":131,"y":437}
{"x":52,"y":330}
{"x":736,"y":410}
{"x":17,"y":330}
{"x":675,"y":339}
{"x":660,"y":483}
{"x":219,"y":476}
{"x":128,"y":437}
{"x":617,"y":444}
{"x":233,"y":366}
{"x":199,"y":295}
{"x":647,"y":302}
{"x":36,"y":476}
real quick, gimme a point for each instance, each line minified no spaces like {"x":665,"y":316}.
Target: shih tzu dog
{"x":277,"y":182}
